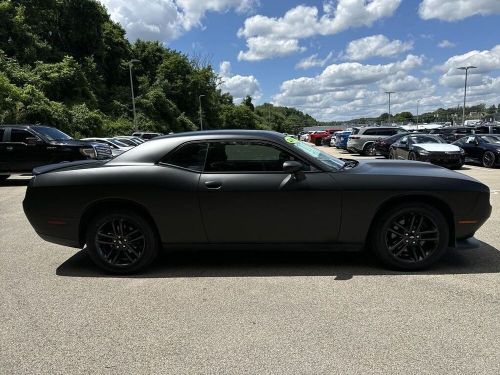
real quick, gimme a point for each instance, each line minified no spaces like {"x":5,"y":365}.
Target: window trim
{"x":314,"y":168}
{"x":178,"y":147}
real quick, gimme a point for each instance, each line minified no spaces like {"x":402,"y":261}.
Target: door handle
{"x":9,"y":148}
{"x":213,"y":185}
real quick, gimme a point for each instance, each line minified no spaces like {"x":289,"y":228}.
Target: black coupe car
{"x":251,"y":189}
{"x":482,"y":148}
{"x":383,"y":145}
{"x":428,"y":148}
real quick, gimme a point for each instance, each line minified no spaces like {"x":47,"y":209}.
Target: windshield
{"x":330,"y":161}
{"x":117,"y":143}
{"x":425,"y":139}
{"x":52,"y":134}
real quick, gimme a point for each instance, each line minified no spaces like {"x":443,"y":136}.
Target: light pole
{"x":130,"y":63}
{"x":201,"y":113}
{"x":466,"y":68}
{"x":389,"y":93}
{"x":418,"y":102}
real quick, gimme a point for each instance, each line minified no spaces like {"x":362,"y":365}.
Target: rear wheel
{"x":410,"y":236}
{"x":488,"y":159}
{"x":370,"y":150}
{"x":121,"y":242}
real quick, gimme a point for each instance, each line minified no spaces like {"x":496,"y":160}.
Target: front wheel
{"x":410,"y":236}
{"x":488,"y":159}
{"x":121,"y":242}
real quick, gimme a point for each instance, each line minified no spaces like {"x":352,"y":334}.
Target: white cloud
{"x":305,"y":21}
{"x":486,"y":61}
{"x":446,"y":44}
{"x":453,"y":10}
{"x":261,"y":48}
{"x":166,"y":20}
{"x":354,"y":89}
{"x":375,"y":45}
{"x":238,"y":86}
{"x":313,"y":61}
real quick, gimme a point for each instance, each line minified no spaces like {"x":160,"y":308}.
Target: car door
{"x":28,"y":151}
{"x":471,"y":147}
{"x":4,"y":167}
{"x":401,"y":148}
{"x":246,"y":197}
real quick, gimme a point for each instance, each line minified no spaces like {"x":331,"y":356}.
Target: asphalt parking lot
{"x":246,"y":313}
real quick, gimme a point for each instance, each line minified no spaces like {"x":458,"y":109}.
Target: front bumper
{"x":443,"y":160}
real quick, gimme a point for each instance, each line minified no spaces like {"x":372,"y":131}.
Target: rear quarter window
{"x":188,"y":156}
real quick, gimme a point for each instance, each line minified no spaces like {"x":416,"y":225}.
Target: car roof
{"x":158,"y":147}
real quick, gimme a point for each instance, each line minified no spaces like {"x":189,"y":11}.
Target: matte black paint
{"x":190,"y":208}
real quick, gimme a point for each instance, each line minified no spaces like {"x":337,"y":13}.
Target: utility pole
{"x":466,"y":68}
{"x":201,"y":113}
{"x":130,"y":63}
{"x":389,"y":93}
{"x":418,"y":102}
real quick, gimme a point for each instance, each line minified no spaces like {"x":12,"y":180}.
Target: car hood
{"x":438,"y":147}
{"x":408,"y":175}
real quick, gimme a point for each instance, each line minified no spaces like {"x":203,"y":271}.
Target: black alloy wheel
{"x":370,"y":150}
{"x":411,"y":236}
{"x":488,"y":159}
{"x":412,"y":156}
{"x":121,"y":242}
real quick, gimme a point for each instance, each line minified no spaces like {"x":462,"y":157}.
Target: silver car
{"x":362,"y":139}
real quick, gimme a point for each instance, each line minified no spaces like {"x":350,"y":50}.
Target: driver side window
{"x":246,"y":156}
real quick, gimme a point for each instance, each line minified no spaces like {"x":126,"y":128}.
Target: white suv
{"x":362,"y":139}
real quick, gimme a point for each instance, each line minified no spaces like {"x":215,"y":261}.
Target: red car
{"x":321,"y":137}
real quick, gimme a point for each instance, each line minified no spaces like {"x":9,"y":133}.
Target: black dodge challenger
{"x":252,"y":189}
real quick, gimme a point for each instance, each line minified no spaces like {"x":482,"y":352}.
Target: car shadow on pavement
{"x":15,"y":182}
{"x":341,"y":266}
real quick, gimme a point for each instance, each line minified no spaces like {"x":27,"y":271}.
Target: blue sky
{"x":333,"y":59}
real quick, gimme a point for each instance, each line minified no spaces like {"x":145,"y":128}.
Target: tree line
{"x":66,"y":63}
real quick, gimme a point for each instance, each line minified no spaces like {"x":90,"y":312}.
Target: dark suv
{"x":24,"y":147}
{"x":453,"y":133}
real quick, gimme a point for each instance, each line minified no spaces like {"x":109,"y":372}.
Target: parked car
{"x":327,"y":138}
{"x":132,"y":142}
{"x":452,"y":133}
{"x":428,"y":148}
{"x":482,"y":148}
{"x":135,"y":139}
{"x":146,"y":135}
{"x":362,"y":139}
{"x":234,"y":188}
{"x":24,"y":147}
{"x":341,"y":139}
{"x":117,"y":147}
{"x":487,"y":129}
{"x":383,"y":145}
{"x":317,"y":136}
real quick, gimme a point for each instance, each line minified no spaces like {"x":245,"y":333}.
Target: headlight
{"x":88,"y":152}
{"x":423,"y":152}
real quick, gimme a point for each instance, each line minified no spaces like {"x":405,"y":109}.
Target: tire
{"x":412,"y":156}
{"x":4,"y":177}
{"x":105,"y":237}
{"x":391,"y":155}
{"x":401,"y":241}
{"x":488,"y":159}
{"x":369,"y":150}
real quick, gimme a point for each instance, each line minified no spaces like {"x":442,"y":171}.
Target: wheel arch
{"x":442,"y":206}
{"x":98,"y":207}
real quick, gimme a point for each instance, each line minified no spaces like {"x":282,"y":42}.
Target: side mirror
{"x":32,"y":141}
{"x":295,"y":168}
